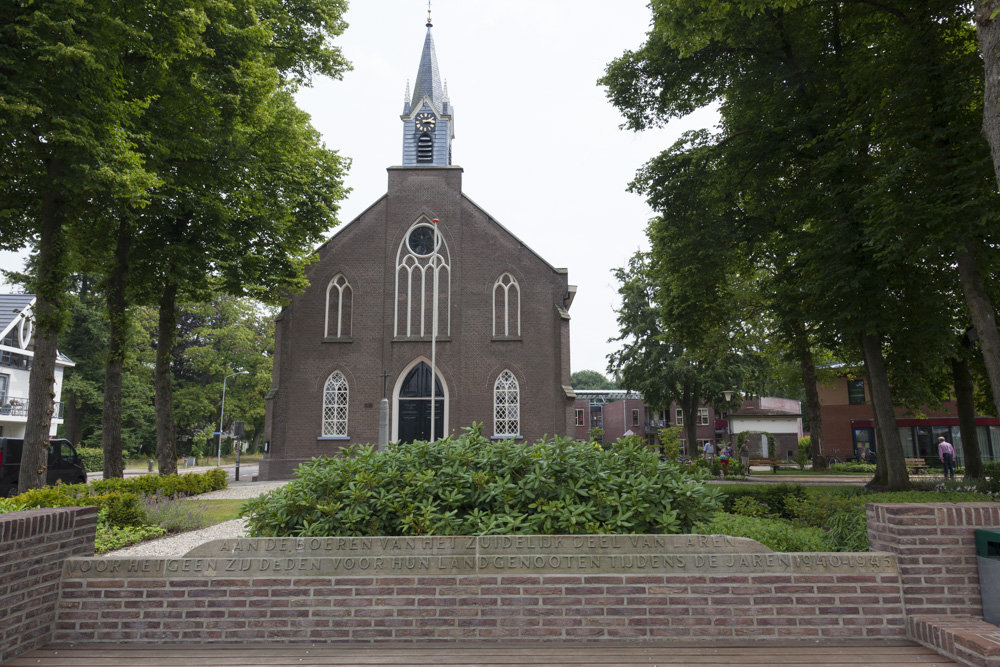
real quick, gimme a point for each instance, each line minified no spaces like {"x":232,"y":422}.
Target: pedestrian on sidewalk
{"x":947,"y":453}
{"x":745,"y":457}
{"x":709,"y":451}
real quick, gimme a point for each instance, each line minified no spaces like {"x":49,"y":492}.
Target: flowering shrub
{"x":473,"y":486}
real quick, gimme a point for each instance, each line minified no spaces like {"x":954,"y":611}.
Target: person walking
{"x":745,"y":457}
{"x":947,"y":453}
{"x":709,"y":451}
{"x":724,"y":456}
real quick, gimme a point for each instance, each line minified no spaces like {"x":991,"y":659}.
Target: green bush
{"x":802,"y":453}
{"x":773,"y":533}
{"x":472,"y":486}
{"x":866,"y":468}
{"x":747,"y":506}
{"x":92,"y":458}
{"x":774,"y":496}
{"x":110,"y":537}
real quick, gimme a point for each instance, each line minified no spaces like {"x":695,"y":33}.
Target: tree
{"x":823,"y":171}
{"x":590,"y":380}
{"x":63,"y":127}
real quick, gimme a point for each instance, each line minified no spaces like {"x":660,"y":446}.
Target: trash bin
{"x":988,"y":555}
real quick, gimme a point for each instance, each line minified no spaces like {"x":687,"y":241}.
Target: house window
{"x":702,"y":416}
{"x":339,"y":306}
{"x":683,"y":446}
{"x":4,"y":383}
{"x":335,"y":406}
{"x":418,"y":263}
{"x":678,"y":417}
{"x":506,"y":307}
{"x":635,"y":418}
{"x":579,"y":417}
{"x":856,"y":392}
{"x":506,"y":406}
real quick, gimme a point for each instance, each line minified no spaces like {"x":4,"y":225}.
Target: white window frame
{"x":702,"y":416}
{"x":415,"y":280}
{"x":679,"y":417}
{"x":506,"y":406}
{"x":579,"y":420}
{"x":506,"y":284}
{"x":336,"y":395}
{"x":341,"y":286}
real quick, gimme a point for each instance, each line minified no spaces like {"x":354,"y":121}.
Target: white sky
{"x":537,"y":138}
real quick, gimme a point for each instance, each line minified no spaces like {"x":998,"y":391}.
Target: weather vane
{"x":429,"y":13}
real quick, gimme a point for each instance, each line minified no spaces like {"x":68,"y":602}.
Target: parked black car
{"x":64,"y":464}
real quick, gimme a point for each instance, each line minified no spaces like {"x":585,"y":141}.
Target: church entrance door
{"x":414,"y":412}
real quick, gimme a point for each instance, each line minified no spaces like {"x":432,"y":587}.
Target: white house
{"x":781,"y":417}
{"x":15,"y":362}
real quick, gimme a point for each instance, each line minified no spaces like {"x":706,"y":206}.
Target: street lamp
{"x":434,"y":328}
{"x":222,"y":414}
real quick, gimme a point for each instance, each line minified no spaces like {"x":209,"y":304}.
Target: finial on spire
{"x":445,"y":91}
{"x":429,"y":24}
{"x":406,"y":95}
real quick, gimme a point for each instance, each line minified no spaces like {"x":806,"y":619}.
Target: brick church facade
{"x":363,"y":328}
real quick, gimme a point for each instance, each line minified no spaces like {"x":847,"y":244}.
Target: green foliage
{"x":596,"y":434}
{"x":774,"y":496}
{"x":772,"y":446}
{"x":472,"y":486}
{"x":866,"y":468}
{"x":172,"y":513}
{"x":802,"y":453}
{"x":111,"y":537}
{"x":748,"y":506}
{"x":590,"y":380}
{"x":773,"y":533}
{"x":92,"y":457}
{"x":10,"y":505}
{"x":670,"y":442}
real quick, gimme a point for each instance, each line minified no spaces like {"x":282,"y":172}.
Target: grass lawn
{"x":217,"y":511}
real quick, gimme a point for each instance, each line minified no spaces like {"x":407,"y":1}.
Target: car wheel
{"x":12,"y":491}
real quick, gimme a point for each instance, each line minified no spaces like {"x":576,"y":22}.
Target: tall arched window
{"x":335,"y":406}
{"x":506,"y":306}
{"x":418,"y":261}
{"x":506,"y":406}
{"x":339,"y":307}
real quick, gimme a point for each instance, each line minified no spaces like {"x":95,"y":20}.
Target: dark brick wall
{"x":33,"y":546}
{"x":533,"y":608}
{"x":365,"y":252}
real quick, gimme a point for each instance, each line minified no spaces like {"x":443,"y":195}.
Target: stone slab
{"x":483,"y":545}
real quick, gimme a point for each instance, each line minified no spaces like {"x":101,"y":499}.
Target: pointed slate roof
{"x":11,"y":306}
{"x":428,"y":76}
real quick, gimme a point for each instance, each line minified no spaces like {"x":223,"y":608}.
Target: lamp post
{"x":434,"y":328}
{"x":222,"y":414}
{"x":727,"y":394}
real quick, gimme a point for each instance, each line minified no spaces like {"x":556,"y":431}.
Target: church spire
{"x":427,"y":115}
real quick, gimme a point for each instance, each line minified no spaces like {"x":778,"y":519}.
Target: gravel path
{"x":175,"y":546}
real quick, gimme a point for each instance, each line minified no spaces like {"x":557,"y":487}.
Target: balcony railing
{"x":17,"y":406}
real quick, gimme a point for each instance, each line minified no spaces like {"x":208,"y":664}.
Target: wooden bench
{"x":916,"y":465}
{"x":773,"y":463}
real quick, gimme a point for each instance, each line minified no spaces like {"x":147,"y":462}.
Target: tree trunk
{"x":988,"y":32}
{"x":964,"y":397}
{"x":891,"y":458}
{"x":111,"y":418}
{"x":166,"y":455}
{"x":49,"y":314}
{"x":72,"y":417}
{"x":808,"y":368}
{"x":981,"y":313}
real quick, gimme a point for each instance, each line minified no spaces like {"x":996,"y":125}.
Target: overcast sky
{"x":535,"y":134}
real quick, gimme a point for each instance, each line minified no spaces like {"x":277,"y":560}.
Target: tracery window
{"x":335,"y":396}
{"x":506,"y":406}
{"x":418,"y":262}
{"x":506,"y":306}
{"x":339,"y":307}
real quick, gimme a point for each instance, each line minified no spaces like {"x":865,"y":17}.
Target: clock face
{"x":421,"y":241}
{"x":425,"y":121}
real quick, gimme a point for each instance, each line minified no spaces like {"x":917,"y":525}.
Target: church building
{"x":364,"y":328}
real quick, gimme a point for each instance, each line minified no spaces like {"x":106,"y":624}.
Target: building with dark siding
{"x":363,"y":328}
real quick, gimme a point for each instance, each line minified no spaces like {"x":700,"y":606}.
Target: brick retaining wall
{"x":547,"y":607}
{"x":33,"y":546}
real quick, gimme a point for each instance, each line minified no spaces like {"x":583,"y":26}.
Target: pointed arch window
{"x":425,"y":148}
{"x":506,"y":406}
{"x":418,"y":263}
{"x":335,"y":396}
{"x":506,"y":307}
{"x":339,"y":308}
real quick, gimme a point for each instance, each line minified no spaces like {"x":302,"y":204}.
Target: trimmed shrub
{"x":866,"y":468}
{"x":92,"y":457}
{"x":473,"y":486}
{"x":773,"y":533}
